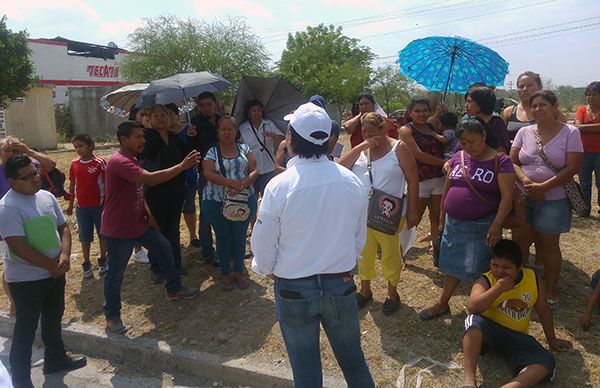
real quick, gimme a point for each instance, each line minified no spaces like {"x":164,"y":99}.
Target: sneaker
{"x":156,"y":277}
{"x":115,"y":325}
{"x":88,"y":272}
{"x":183,"y":293}
{"x":140,"y":257}
{"x":101,"y":266}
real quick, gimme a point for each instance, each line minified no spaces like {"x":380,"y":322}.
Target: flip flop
{"x":362,"y":300}
{"x":425,"y":316}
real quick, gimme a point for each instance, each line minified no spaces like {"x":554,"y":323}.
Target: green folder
{"x":41,"y":233}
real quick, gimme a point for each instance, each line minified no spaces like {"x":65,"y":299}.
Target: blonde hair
{"x":4,"y":143}
{"x":372,"y":119}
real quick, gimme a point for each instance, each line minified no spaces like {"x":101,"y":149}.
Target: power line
{"x":403,"y":13}
{"x":494,"y":40}
{"x":342,"y":22}
{"x":461,"y":19}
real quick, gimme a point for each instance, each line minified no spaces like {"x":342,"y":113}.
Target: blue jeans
{"x":118,"y":253}
{"x":591,"y":164}
{"x":204,"y":228}
{"x":231,"y":235}
{"x":306,"y":304}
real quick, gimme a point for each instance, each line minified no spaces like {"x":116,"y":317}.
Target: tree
{"x":168,"y":45}
{"x":322,"y":60}
{"x":391,"y":89}
{"x":17,"y":73}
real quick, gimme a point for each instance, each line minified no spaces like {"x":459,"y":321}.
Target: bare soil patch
{"x":244,"y":324}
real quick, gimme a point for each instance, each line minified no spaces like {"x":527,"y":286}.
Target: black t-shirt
{"x":207,"y":133}
{"x":158,"y":155}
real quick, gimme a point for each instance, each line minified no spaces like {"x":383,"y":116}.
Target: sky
{"x":556,"y":38}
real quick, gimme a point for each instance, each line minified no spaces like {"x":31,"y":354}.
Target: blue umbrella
{"x":451,"y":64}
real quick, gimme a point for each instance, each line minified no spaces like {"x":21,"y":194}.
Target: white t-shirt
{"x":35,"y":217}
{"x":264,"y":163}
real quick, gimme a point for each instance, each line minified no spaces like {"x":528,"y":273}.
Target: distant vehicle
{"x":503,"y":103}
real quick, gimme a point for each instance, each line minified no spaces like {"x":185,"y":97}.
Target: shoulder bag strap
{"x":541,"y":151}
{"x":466,"y":178}
{"x":262,"y":145}
{"x":220,"y":160}
{"x":370,"y":168}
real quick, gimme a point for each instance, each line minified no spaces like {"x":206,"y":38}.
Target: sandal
{"x":390,"y":306}
{"x":363,"y":300}
{"x":242,"y":280}
{"x":425,"y":316}
{"x":225,"y":283}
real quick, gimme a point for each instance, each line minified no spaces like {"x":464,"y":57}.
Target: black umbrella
{"x":277,"y":95}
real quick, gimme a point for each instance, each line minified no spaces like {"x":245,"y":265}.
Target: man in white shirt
{"x":310,"y":230}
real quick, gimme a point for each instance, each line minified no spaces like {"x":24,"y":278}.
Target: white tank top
{"x":387,"y":173}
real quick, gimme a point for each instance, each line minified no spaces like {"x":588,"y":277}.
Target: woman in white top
{"x":392,"y":168}
{"x":263,"y":137}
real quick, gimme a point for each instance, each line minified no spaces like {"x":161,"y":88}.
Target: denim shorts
{"x":549,"y":216}
{"x":519,"y":349}
{"x":87,"y":218}
{"x":433,"y":186}
{"x":189,"y":201}
{"x":464,"y":253}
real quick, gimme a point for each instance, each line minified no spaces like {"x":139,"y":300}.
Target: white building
{"x":61,"y":63}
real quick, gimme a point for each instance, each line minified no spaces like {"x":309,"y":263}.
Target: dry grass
{"x":243,"y":324}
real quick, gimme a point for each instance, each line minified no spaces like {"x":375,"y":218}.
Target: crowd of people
{"x":321,"y":217}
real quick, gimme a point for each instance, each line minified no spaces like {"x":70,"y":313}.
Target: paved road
{"x":102,"y":373}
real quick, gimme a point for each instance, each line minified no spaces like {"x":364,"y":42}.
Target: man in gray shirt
{"x":39,"y":242}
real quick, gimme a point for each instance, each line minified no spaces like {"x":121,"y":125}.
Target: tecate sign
{"x":101,"y":71}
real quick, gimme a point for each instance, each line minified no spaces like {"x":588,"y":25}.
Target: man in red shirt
{"x":587,"y":119}
{"x":127,"y":220}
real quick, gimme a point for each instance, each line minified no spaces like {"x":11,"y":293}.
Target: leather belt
{"x":325,"y":276}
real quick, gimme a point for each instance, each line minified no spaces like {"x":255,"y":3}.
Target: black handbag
{"x":385,"y":210}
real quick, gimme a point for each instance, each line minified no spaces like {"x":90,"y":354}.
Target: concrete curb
{"x":160,"y":356}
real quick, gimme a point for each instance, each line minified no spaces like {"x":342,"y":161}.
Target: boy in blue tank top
{"x":500,"y":307}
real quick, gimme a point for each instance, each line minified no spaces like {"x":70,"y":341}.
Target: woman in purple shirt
{"x":548,"y":210}
{"x":477,"y":197}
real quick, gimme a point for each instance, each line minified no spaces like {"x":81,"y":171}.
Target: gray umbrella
{"x":182,"y":87}
{"x":278,"y":96}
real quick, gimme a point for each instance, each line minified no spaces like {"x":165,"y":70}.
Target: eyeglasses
{"x":30,"y":176}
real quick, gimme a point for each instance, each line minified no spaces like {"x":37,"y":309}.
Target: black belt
{"x":325,"y":276}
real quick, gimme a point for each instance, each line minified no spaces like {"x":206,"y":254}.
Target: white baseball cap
{"x":308,"y":120}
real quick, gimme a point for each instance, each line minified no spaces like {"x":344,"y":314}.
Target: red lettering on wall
{"x":102,"y":71}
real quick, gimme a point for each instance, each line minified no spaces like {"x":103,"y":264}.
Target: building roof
{"x":83,"y":49}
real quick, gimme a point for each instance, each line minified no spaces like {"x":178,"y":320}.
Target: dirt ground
{"x":243,"y":323}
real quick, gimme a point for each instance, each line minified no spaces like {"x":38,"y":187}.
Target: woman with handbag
{"x":228,"y":199}
{"x":385,"y":166}
{"x":547,"y":155}
{"x":477,"y":198}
